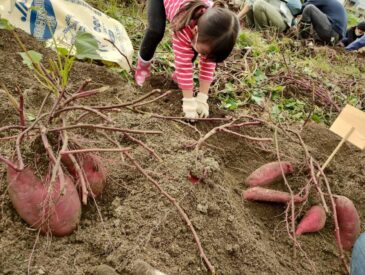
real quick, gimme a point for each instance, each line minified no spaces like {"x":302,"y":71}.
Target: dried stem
{"x":127,"y":103}
{"x":55,"y":106}
{"x":80,"y":95}
{"x":81,"y":178}
{"x":145,"y":146}
{"x":12,"y":127}
{"x":21,"y":108}
{"x":337,"y":229}
{"x":121,"y":53}
{"x":82,"y":151}
{"x":247,"y":137}
{"x":180,"y":210}
{"x":101,"y":127}
{"x":317,"y":185}
{"x":224,"y":127}
{"x":152,"y":100}
{"x":20,"y":138}
{"x":9,"y":163}
{"x":292,"y":205}
{"x":85,"y":108}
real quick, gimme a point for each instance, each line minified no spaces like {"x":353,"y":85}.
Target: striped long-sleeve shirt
{"x":184,"y":52}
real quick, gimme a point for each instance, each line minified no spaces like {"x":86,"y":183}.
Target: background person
{"x":328,"y":19}
{"x":264,"y":14}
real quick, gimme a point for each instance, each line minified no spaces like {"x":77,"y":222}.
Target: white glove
{"x":189,"y":108}
{"x":202,"y":105}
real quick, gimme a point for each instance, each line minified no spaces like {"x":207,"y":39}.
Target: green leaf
{"x":86,"y":46}
{"x":5,"y":25}
{"x":258,"y":97}
{"x":62,"y":51}
{"x":31,"y":56}
{"x":30,"y":117}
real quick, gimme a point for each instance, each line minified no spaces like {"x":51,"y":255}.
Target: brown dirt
{"x":139,"y":223}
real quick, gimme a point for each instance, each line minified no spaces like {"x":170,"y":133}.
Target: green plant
{"x":56,"y":77}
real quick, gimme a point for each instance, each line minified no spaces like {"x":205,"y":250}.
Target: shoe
{"x":143,"y":71}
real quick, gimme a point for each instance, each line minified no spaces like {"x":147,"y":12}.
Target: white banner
{"x":64,"y":18}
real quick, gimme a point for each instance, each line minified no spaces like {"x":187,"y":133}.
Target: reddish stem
{"x":81,"y":151}
{"x":91,"y":126}
{"x":180,"y":210}
{"x":21,"y":110}
{"x":80,"y":95}
{"x":127,"y":103}
{"x":85,"y":108}
{"x":152,"y":152}
{"x":152,"y":100}
{"x":337,"y":228}
{"x":10,"y":163}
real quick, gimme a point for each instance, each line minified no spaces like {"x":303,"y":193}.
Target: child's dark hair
{"x":217,"y":26}
{"x":361,"y":26}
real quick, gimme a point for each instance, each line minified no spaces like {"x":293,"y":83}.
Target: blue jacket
{"x":335,"y":12}
{"x":294,"y":6}
{"x":357,"y":44}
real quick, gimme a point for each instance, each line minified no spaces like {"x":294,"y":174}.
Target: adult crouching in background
{"x":327,"y":18}
{"x":266,"y":14}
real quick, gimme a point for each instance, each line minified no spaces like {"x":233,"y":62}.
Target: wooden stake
{"x":336,"y":150}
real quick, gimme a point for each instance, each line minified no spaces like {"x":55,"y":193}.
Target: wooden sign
{"x":350,"y":125}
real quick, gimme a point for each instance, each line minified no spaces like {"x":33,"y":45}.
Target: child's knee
{"x":309,"y":8}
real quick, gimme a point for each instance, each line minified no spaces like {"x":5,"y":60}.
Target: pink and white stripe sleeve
{"x":207,"y":69}
{"x":184,"y":54}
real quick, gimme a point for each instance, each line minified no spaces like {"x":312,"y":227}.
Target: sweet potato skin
{"x":269,"y":195}
{"x":93,"y":169}
{"x":348,"y":221}
{"x":28,"y":194}
{"x":269,"y":173}
{"x":313,"y":220}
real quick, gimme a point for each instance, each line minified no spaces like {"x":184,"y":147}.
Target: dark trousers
{"x":155,"y":30}
{"x":321,"y":24}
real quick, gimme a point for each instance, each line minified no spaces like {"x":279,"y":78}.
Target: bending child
{"x":355,"y":38}
{"x":199,"y":28}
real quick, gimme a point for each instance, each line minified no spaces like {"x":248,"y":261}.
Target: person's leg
{"x":266,"y":16}
{"x":358,"y":256}
{"x":250,"y":20}
{"x":154,"y":34}
{"x":320,"y":22}
{"x":155,"y":30}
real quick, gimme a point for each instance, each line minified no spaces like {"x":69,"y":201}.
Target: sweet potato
{"x":313,"y":221}
{"x":59,"y":216}
{"x":269,"y":195}
{"x":348,"y":221}
{"x":269,"y":173}
{"x":93,"y":169}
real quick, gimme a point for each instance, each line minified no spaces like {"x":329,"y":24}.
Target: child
{"x":353,"y":33}
{"x":355,"y":38}
{"x":199,"y":28}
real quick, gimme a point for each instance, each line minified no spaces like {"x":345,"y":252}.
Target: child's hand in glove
{"x":189,"y":108}
{"x":202,"y":105}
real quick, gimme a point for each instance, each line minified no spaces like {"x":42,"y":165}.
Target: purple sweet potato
{"x":269,"y":195}
{"x":348,"y":221}
{"x":57,"y":213}
{"x":93,"y":169}
{"x":313,"y":221}
{"x":269,"y":173}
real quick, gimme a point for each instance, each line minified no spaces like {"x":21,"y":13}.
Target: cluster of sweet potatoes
{"x":55,"y":207}
{"x":315,"y":218}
